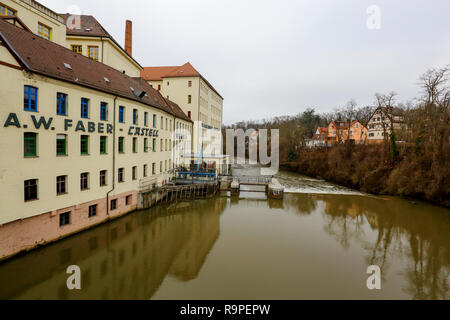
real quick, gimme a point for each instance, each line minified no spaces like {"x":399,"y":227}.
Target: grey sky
{"x":271,"y":58}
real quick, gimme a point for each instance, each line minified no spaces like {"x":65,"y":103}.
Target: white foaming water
{"x":295,"y":183}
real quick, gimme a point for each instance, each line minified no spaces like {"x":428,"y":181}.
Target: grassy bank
{"x":364,"y":167}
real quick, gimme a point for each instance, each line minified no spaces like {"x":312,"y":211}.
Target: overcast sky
{"x":270,"y":58}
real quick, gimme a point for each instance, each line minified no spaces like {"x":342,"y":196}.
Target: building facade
{"x":343,"y":131}
{"x":39,"y":19}
{"x":200,"y":101}
{"x":81,"y":137}
{"x":382,"y":122}
{"x":86,"y":36}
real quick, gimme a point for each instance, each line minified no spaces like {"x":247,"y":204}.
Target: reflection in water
{"x":125,"y":259}
{"x":418,"y":233}
{"x":306,"y":246}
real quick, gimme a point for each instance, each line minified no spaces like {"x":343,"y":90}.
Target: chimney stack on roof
{"x":129,"y":37}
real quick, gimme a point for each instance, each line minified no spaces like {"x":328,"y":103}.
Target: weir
{"x":189,"y":186}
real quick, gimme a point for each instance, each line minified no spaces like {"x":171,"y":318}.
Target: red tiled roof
{"x":156,"y":73}
{"x":47,"y":58}
{"x":90,"y":27}
{"x":322,"y":130}
{"x":186,"y":70}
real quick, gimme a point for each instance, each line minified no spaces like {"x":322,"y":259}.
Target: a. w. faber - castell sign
{"x":80,"y":126}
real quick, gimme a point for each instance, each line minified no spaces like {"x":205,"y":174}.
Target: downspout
{"x":199,"y":120}
{"x":114,"y":160}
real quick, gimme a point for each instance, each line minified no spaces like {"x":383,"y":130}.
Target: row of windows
{"x":30,"y":145}
{"x":65,"y":218}
{"x":31,"y":104}
{"x":31,"y":186}
{"x":93,"y":51}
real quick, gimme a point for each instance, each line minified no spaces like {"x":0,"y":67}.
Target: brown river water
{"x":315,"y":244}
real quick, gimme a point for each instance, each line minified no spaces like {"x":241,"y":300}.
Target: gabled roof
{"x":342,"y":125}
{"x":186,"y":70}
{"x":44,"y":57}
{"x":90,"y":27}
{"x":322,"y":130}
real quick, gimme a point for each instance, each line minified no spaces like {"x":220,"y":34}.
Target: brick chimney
{"x":129,"y":37}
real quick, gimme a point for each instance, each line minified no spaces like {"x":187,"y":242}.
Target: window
{"x":121,"y":114}
{"x":103,"y":111}
{"x":92,"y":211}
{"x":61,"y":104}
{"x":121,"y":175}
{"x":64,"y":219}
{"x":189,"y":84}
{"x":6,"y":11}
{"x":135,"y":116}
{"x":189,"y":114}
{"x":154,"y":145}
{"x":134,"y":173}
{"x":128,"y":200}
{"x":30,"y":144}
{"x":61,"y":185}
{"x":154,"y":121}
{"x":103,"y":178}
{"x":189,"y":99}
{"x":31,"y":189}
{"x":93,"y":52}
{"x":103,"y":144}
{"x":77,"y":49}
{"x":61,"y":145}
{"x":44,"y":31}
{"x":121,"y":145}
{"x":160,"y":166}
{"x":145,"y":144}
{"x":84,"y":181}
{"x":135,"y":145}
{"x":161,"y":144}
{"x":162,"y":123}
{"x":159,"y":87}
{"x":146,"y":119}
{"x":84,"y":145}
{"x":145,"y":171}
{"x":114,"y":204}
{"x":30,"y":98}
{"x":167,"y":124}
{"x":84,"y":108}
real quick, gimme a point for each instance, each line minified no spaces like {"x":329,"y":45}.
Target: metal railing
{"x":254,"y":179}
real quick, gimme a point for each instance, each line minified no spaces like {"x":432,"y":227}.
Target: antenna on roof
{"x":68,"y":66}
{"x":106,"y":79}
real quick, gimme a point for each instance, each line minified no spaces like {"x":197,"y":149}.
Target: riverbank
{"x":365,"y":168}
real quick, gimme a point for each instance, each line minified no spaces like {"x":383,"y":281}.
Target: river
{"x":315,"y":244}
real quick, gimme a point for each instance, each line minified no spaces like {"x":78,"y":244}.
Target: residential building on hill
{"x":343,"y":131}
{"x":382,"y":122}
